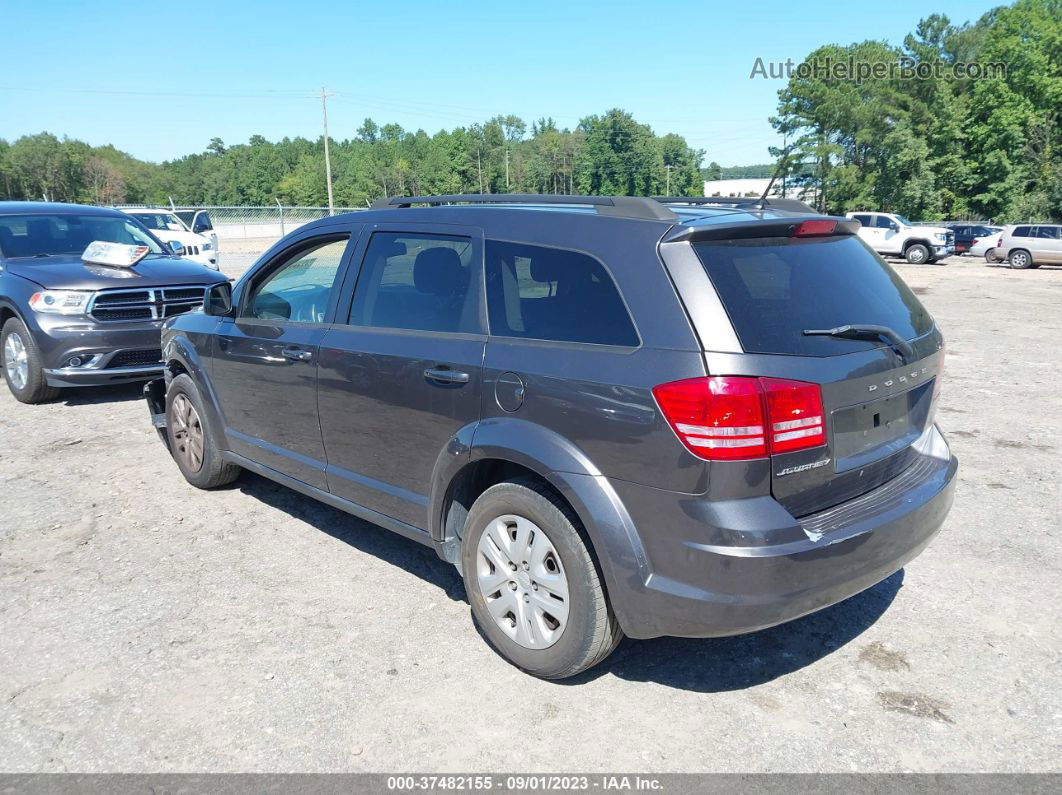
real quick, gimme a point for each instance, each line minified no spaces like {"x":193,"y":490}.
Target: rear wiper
{"x":866,"y":331}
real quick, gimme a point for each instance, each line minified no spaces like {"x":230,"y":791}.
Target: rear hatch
{"x":877,"y":389}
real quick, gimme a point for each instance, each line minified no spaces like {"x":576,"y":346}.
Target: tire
{"x":1020,"y":259}
{"x":916,"y":254}
{"x":192,"y":441}
{"x":990,"y":256}
{"x":22,"y":365}
{"x":582,"y":629}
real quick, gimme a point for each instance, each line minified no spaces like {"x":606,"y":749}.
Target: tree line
{"x":943,"y":146}
{"x":610,"y":153}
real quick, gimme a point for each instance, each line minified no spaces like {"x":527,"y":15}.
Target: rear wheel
{"x":533,"y":586}
{"x":990,"y":256}
{"x":917,"y":254}
{"x":1020,"y":259}
{"x":191,"y":440}
{"x":23,"y":370}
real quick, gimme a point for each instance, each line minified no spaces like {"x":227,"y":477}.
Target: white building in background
{"x":740,"y":187}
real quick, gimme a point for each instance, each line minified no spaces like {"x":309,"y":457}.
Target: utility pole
{"x":328,"y":162}
{"x":667,"y":190}
{"x":506,"y":169}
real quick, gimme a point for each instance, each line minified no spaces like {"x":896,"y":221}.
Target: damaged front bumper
{"x":155,"y":395}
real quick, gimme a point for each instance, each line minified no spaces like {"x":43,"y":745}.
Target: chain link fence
{"x":231,"y":222}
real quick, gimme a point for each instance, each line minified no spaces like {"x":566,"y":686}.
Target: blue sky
{"x":159,"y":80}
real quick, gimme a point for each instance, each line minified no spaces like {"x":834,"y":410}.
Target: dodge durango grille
{"x":152,"y":304}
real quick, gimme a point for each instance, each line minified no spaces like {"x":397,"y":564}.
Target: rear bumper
{"x":755,"y":566}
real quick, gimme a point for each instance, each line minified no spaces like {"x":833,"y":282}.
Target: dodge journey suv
{"x":614,"y":415}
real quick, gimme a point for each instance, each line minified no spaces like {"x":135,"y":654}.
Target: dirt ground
{"x":146,"y":626}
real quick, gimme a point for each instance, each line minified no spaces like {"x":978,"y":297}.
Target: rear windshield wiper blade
{"x":866,"y":331}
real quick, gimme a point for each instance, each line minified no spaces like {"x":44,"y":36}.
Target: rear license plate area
{"x":870,"y":431}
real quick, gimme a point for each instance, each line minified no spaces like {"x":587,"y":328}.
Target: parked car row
{"x":614,"y":415}
{"x":1020,"y":245}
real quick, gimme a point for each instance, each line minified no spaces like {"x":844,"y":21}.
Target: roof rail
{"x":792,"y":205}
{"x":623,"y":206}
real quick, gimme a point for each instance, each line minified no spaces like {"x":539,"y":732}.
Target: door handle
{"x":446,"y":375}
{"x":297,"y":354}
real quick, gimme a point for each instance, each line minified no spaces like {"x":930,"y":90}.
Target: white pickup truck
{"x":888,"y":233}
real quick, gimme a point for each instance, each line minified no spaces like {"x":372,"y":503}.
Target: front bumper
{"x":943,"y":251}
{"x":106,"y":350}
{"x":754,"y":566}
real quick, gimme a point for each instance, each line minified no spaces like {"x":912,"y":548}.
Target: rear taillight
{"x":722,"y":418}
{"x":999,"y":241}
{"x":794,"y":410}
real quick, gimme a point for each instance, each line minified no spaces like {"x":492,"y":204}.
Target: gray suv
{"x":616,"y":416}
{"x":65,"y":321}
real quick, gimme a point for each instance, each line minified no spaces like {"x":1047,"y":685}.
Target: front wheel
{"x":533,"y":586}
{"x":1020,"y":259}
{"x":23,"y":370}
{"x":191,"y":440}
{"x":917,"y":254}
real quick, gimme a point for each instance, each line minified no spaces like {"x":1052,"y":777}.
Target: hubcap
{"x":16,"y":361}
{"x":522,"y":580}
{"x":917,"y":255}
{"x":187,"y":433}
{"x":1018,"y":259}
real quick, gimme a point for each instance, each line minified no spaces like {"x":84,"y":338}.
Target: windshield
{"x":159,"y":221}
{"x":903,"y":220}
{"x":41,"y":235}
{"x":774,"y":288}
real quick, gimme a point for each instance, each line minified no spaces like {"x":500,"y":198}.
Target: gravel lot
{"x":146,"y":626}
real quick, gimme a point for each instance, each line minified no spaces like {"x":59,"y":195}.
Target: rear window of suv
{"x":775,"y":288}
{"x":545,"y":293}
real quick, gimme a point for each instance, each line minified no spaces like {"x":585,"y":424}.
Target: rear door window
{"x":419,"y":282}
{"x":775,"y":288}
{"x":865,"y":220}
{"x":544,"y":293}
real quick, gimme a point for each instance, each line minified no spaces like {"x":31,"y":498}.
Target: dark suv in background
{"x":68,"y":322}
{"x":613,"y":415}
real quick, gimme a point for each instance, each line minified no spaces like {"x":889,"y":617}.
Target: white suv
{"x":168,"y":227}
{"x":888,"y":233}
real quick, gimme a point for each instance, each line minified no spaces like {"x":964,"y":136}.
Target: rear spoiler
{"x":794,"y":226}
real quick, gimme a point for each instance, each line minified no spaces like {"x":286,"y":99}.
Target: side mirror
{"x":895,"y":227}
{"x":177,"y":248}
{"x":218,"y":300}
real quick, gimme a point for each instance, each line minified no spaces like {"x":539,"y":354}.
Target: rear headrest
{"x":438,"y":271}
{"x":546,"y":268}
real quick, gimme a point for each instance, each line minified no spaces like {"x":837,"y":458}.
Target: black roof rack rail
{"x":791,"y":205}
{"x":624,"y":206}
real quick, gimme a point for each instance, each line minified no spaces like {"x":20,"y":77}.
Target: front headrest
{"x":438,"y":271}
{"x":38,"y":227}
